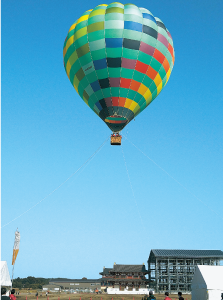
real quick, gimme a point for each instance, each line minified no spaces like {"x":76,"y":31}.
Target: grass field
{"x":91,"y":296}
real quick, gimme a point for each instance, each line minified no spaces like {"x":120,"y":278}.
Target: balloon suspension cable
{"x":88,"y":160}
{"x":174,"y":178}
{"x":132,"y":188}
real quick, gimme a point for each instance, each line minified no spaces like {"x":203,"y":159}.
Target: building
{"x":207,"y":283}
{"x":173,"y":270}
{"x":51,"y":288}
{"x":79,"y":285}
{"x":125,"y":279}
{"x":106,"y":279}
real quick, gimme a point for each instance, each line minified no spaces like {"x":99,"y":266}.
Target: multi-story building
{"x":125,"y":279}
{"x":173,"y":270}
{"x":106,"y":279}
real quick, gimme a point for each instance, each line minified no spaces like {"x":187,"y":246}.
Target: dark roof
{"x":187,"y":253}
{"x":127,"y":279}
{"x":128,"y":268}
{"x":105,"y":271}
{"x":74,"y":280}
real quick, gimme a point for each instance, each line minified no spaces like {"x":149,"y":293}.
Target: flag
{"x":16,"y":246}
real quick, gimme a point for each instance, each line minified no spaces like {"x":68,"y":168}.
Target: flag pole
{"x":12,"y":274}
{"x":15,"y":250}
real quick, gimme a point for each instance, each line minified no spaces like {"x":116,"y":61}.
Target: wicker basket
{"x":116,"y":140}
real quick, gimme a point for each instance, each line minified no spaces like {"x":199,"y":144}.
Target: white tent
{"x":5,"y":277}
{"x":207,"y":283}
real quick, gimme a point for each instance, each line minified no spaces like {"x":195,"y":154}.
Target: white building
{"x":207,"y":283}
{"x":134,"y":291}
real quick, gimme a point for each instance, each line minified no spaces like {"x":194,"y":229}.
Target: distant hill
{"x":31,"y":282}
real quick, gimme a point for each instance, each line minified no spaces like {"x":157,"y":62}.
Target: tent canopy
{"x":208,"y":277}
{"x":5,"y":277}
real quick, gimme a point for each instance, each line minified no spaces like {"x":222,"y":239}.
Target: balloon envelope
{"x":118,"y":58}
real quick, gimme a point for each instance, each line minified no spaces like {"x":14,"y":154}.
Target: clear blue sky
{"x":48,"y":132}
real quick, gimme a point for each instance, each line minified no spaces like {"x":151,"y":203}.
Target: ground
{"x":90,"y":296}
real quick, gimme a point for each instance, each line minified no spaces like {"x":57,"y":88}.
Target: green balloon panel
{"x":118,"y":58}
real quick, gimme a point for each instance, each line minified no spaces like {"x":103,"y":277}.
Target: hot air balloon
{"x":118,"y":58}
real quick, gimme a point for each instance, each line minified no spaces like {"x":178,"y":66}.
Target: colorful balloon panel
{"x":118,"y":58}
